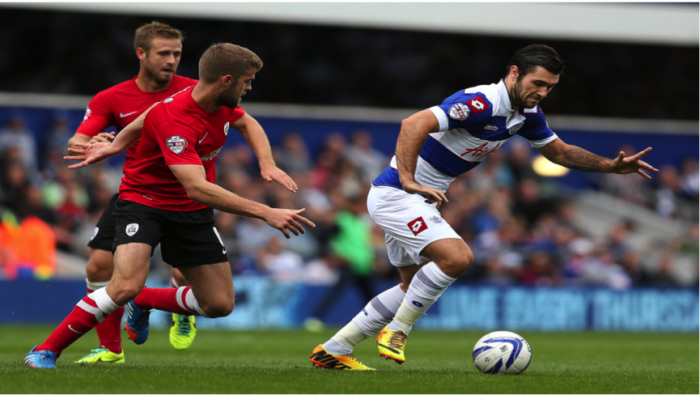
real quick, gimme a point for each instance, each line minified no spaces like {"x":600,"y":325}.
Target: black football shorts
{"x":103,"y":238}
{"x":187,"y":238}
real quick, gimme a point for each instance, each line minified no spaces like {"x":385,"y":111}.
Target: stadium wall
{"x":264,"y":304}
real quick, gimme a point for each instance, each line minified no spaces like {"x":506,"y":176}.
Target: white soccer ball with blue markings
{"x":502,"y":353}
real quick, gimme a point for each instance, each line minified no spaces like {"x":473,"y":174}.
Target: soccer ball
{"x":502,"y":353}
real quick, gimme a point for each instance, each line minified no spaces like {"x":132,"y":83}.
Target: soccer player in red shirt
{"x":167,"y":196}
{"x":159,"y":48}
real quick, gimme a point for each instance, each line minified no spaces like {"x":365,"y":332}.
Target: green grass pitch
{"x":437,"y":362}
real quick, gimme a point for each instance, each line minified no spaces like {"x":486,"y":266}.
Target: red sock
{"x":79,"y":321}
{"x":172,"y":300}
{"x":109,"y":331}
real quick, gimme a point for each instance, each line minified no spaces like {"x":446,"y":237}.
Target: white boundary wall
{"x":644,"y":23}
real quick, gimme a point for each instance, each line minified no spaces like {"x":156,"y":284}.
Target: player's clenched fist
{"x":284,"y":220}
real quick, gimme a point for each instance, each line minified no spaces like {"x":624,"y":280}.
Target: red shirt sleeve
{"x":177,"y":141}
{"x":237,"y":114}
{"x":98,"y":116}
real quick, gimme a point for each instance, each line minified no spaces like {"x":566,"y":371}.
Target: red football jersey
{"x":177,"y":131}
{"x":119,"y":105}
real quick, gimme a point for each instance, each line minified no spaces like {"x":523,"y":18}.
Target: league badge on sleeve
{"x":176,"y":144}
{"x":459,"y":111}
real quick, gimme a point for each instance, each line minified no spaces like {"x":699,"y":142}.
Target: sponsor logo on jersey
{"x":176,"y":144}
{"x":477,"y":104}
{"x":515,"y":128}
{"x":168,"y":100}
{"x":459,"y":111}
{"x":205,"y":136}
{"x":481,"y":152}
{"x":131,"y":229}
{"x":226,"y":129}
{"x":435,"y":219}
{"x":417,"y":225}
{"x":210,"y":156}
{"x":88,"y":112}
{"x":491,"y":127}
{"x":94,"y":233}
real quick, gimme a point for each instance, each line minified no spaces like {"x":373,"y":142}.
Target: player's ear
{"x":227,"y":81}
{"x":140,"y":53}
{"x":514,"y":72}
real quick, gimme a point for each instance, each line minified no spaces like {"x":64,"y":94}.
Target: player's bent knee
{"x":218,"y":309}
{"x":459,"y":264}
{"x":124,"y":293}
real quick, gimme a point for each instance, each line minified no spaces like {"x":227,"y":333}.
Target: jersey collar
{"x":503,"y":106}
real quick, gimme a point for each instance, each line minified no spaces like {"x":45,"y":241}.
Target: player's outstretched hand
{"x":632,"y":164}
{"x":90,"y":153}
{"x":274,"y":173}
{"x":102,"y":138}
{"x":287,"y":221}
{"x":431,"y":195}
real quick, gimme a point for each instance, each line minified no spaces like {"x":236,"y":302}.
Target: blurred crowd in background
{"x":520,"y":226}
{"x":307,"y":64}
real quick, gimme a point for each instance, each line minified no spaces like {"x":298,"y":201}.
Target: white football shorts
{"x":408,"y":222}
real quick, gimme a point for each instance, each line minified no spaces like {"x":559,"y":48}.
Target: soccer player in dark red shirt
{"x":167,"y":196}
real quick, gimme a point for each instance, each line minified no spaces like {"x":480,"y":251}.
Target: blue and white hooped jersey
{"x":474,"y":123}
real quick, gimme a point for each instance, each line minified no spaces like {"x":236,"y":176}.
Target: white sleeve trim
{"x":441,"y":117}
{"x":542,"y":143}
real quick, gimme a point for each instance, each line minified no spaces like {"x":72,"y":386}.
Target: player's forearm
{"x":256,"y":138}
{"x":408,"y":146}
{"x":577,"y":158}
{"x":219,"y":198}
{"x":78,"y":138}
{"x":130,"y":134}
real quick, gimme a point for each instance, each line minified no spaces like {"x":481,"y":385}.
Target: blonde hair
{"x":147,"y":32}
{"x":223,"y":59}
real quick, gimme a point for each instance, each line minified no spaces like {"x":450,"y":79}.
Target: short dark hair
{"x":224,"y":58}
{"x":147,"y":32}
{"x":534,"y":55}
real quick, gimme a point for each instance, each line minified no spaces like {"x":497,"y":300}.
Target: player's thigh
{"x":179,"y":278}
{"x":138,"y":232}
{"x":409,"y":224}
{"x":212,"y":285}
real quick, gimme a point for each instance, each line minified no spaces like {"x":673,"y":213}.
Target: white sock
{"x":376,"y":314}
{"x":94,"y":286}
{"x":103,"y":301}
{"x":190,"y":302}
{"x":425,"y":289}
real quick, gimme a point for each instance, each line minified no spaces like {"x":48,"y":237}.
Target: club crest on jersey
{"x":168,"y":100}
{"x":176,"y":144}
{"x":459,"y":111}
{"x":515,"y":128}
{"x":131,"y":229}
{"x":226,"y":129}
{"x":417,"y":225}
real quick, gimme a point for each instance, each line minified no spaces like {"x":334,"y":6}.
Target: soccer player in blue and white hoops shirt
{"x":434,"y":147}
